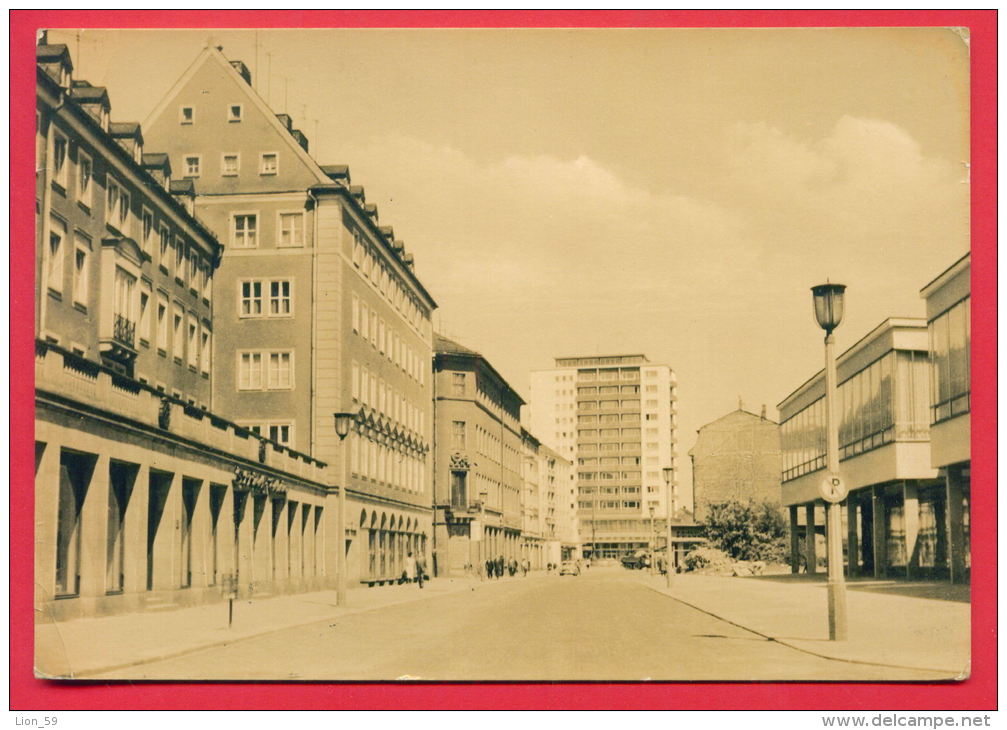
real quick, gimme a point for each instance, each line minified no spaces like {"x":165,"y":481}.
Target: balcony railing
{"x":124,"y":330}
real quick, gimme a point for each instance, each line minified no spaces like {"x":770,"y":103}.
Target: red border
{"x":978,"y":692}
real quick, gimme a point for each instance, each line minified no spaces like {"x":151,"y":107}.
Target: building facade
{"x":320,"y":310}
{"x":895,"y":517}
{"x":736,"y":457}
{"x":549,"y":529}
{"x":478,"y":456}
{"x":948,"y":301}
{"x":144,"y":497}
{"x":615,"y":418}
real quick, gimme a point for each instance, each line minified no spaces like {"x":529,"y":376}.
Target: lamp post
{"x":343,"y":423}
{"x":669,"y":479}
{"x":653,"y":543}
{"x":828,"y":299}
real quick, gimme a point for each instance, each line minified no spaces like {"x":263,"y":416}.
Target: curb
{"x":339,"y":612}
{"x":956,"y":675}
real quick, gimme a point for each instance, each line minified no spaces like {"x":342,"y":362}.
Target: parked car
{"x":569,"y":567}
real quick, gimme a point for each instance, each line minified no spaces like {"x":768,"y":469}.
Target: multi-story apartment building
{"x":948,"y":300}
{"x":319,"y":308}
{"x":615,"y":417}
{"x":736,"y":457}
{"x":143,"y":495}
{"x":894,"y":514}
{"x":478,"y":461}
{"x":548,"y":505}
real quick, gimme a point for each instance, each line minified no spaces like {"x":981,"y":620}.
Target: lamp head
{"x":343,"y":423}
{"x":669,"y":473}
{"x":828,"y":300}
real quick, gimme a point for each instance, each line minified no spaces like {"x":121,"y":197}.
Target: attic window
{"x":268,"y":163}
{"x":234,"y":113}
{"x":186,"y":115}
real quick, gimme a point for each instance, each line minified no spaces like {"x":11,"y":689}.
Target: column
{"x":853,"y":546}
{"x":134,"y":537}
{"x":809,"y":538}
{"x":911,"y":517}
{"x":795,"y":543}
{"x":880,"y":538}
{"x":46,"y":518}
{"x":954,"y":483}
{"x":94,"y":530}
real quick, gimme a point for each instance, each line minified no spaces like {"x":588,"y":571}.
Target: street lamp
{"x":343,"y":423}
{"x":828,"y":300}
{"x":653,"y":543}
{"x":669,"y":479}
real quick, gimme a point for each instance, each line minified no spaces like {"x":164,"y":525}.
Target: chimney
{"x":301,"y":139}
{"x":763,"y":411}
{"x":286,"y":121}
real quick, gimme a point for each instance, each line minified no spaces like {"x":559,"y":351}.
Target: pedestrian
{"x":525,"y":566}
{"x":490,"y":568}
{"x":409,"y":572}
{"x":500,"y":566}
{"x":421,"y":570}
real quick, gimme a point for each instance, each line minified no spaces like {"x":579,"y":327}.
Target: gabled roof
{"x":445,"y":346}
{"x":735,"y":413}
{"x":211,"y":54}
{"x":53,"y":52}
{"x":449,"y":347}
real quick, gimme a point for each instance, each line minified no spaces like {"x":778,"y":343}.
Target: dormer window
{"x":234,"y":112}
{"x":103,"y":118}
{"x":186,"y":115}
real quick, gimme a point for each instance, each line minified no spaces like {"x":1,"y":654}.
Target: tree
{"x":748,"y":530}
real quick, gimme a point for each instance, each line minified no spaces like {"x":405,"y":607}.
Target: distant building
{"x":549,"y":532}
{"x":615,"y":417}
{"x":736,"y":457}
{"x":948,"y":299}
{"x":319,"y":309}
{"x":144,"y":496}
{"x":478,"y":454}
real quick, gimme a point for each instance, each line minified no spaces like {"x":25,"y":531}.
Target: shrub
{"x":748,"y":530}
{"x":708,"y":560}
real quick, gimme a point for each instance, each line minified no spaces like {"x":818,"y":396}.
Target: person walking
{"x":410,"y":567}
{"x":525,"y":567}
{"x":421,"y":570}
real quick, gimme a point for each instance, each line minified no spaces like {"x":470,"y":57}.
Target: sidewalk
{"x":888,"y":623}
{"x":86,"y":647}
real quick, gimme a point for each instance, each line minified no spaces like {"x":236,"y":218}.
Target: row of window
{"x":609,"y":374}
{"x":233,"y":113}
{"x":230,"y":164}
{"x":951,"y":351}
{"x":610,"y":418}
{"x":245,"y":229}
{"x":372,"y":390}
{"x":369,"y":325}
{"x":385,"y":282}
{"x":282,"y":432}
{"x":186,"y":262}
{"x":380,"y":463}
{"x":616,"y":460}
{"x":609,"y":390}
{"x":609,"y":504}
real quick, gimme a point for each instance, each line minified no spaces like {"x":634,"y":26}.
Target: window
{"x":145,"y":306}
{"x":358,"y":249}
{"x":193,"y":269}
{"x":82,"y":251}
{"x":59,"y":161}
{"x":207,"y":281}
{"x":279,"y":299}
{"x":250,"y":371}
{"x":458,"y":434}
{"x":147,"y":232}
{"x":291,"y":230}
{"x":177,"y":342}
{"x":162,"y":322}
{"x":278,"y":373}
{"x":251,"y":298}
{"x":193,"y":328}
{"x":204,"y":360}
{"x":243,"y":230}
{"x":269,"y":163}
{"x":355,"y":382}
{"x":281,"y":433}
{"x":165,"y":244}
{"x":234,"y":112}
{"x":84,"y":175}
{"x":179,"y":258}
{"x":191,"y":165}
{"x":229,"y":164}
{"x":186,"y":115}
{"x":356,"y":314}
{"x":57,"y":251}
{"x":111,"y":198}
{"x":458,"y":384}
{"x":124,"y":220}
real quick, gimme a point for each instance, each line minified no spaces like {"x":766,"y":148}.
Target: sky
{"x":668,"y":192}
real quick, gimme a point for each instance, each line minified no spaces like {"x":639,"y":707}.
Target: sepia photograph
{"x":503,"y":354}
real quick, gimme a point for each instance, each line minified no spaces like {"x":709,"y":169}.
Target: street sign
{"x":833,"y":488}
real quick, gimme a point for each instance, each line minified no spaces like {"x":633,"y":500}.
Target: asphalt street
{"x":602,"y":625}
